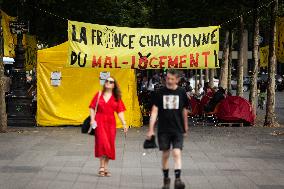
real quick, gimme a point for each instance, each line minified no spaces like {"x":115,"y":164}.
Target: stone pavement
{"x":213,"y":157}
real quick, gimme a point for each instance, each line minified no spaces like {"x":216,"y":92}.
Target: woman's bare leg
{"x":106,"y":163}
{"x":107,"y":173}
{"x":102,"y":162}
{"x":102,"y":167}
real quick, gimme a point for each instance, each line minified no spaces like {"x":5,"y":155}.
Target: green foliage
{"x":52,"y":30}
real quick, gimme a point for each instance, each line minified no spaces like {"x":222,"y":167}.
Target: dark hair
{"x":116,"y":90}
{"x":222,"y":90}
{"x":174,"y":72}
{"x":206,"y":85}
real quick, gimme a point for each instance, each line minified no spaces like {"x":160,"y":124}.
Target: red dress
{"x":106,"y":129}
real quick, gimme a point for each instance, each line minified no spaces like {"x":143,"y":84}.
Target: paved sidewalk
{"x":213,"y":157}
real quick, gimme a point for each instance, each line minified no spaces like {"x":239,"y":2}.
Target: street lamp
{"x":19,"y":104}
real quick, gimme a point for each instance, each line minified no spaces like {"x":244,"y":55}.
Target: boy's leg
{"x":165,"y":166}
{"x":165,"y":159}
{"x":177,"y":147}
{"x":164,"y":146}
{"x":177,"y":158}
{"x":164,"y":141}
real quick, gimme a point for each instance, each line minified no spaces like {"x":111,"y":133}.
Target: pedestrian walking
{"x":170,"y":107}
{"x":262,"y":88}
{"x":108,"y":102}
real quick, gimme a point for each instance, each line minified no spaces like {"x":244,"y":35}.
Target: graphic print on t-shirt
{"x":171,"y":102}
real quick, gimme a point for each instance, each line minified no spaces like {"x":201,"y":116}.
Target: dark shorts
{"x":166,"y":140}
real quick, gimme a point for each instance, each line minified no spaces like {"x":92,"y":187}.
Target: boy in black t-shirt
{"x":170,"y":106}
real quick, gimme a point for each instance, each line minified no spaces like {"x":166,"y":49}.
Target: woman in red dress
{"x":109,"y":102}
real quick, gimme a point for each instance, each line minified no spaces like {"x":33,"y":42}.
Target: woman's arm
{"x":93,"y":106}
{"x":121,"y":117}
{"x":92,"y":115}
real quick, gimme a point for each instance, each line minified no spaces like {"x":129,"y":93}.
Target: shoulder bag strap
{"x":97,"y":103}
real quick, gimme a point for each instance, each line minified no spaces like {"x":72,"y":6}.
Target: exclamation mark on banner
{"x":216,"y":59}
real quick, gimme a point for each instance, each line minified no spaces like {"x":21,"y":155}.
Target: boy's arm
{"x":153,"y":119}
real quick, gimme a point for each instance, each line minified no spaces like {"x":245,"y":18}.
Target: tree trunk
{"x":240,"y":91}
{"x":211,"y":77}
{"x":253,"y":88}
{"x":206,"y":78}
{"x":3,"y":115}
{"x":223,"y":80}
{"x":231,"y":41}
{"x":200,"y":77}
{"x":270,"y":120}
{"x":196,"y":82}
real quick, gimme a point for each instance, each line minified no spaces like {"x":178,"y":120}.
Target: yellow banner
{"x":101,"y":46}
{"x":10,"y":41}
{"x":280,"y":40}
{"x":31,"y":52}
{"x":264,"y":51}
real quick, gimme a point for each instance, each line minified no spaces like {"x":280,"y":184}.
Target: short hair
{"x":222,"y":90}
{"x":174,"y":72}
{"x":207,"y":85}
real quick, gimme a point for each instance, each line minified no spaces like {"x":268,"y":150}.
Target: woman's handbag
{"x":150,"y":143}
{"x":94,"y":125}
{"x":86,"y":126}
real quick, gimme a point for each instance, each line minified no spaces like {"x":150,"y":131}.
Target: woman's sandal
{"x":101,"y":172}
{"x":107,"y":173}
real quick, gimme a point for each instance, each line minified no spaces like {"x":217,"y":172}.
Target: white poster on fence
{"x":55,"y":78}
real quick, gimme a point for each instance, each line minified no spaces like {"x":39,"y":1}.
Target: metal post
{"x":19,"y":105}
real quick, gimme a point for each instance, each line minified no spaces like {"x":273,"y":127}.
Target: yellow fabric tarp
{"x":67,"y":104}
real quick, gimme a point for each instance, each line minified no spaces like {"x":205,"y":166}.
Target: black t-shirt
{"x":170,"y":105}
